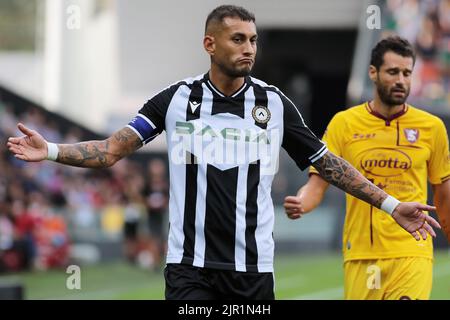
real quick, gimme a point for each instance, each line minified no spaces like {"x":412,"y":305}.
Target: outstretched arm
{"x":89,"y":154}
{"x":343,"y":175}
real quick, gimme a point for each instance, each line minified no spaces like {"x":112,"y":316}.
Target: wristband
{"x":389,"y":204}
{"x":52,"y":150}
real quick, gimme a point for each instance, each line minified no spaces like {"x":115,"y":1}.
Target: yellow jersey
{"x":397,"y":155}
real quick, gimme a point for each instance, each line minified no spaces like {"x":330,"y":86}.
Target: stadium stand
{"x":46,"y":209}
{"x":426,"y":25}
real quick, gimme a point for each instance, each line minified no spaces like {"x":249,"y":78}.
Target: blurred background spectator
{"x":156,"y":195}
{"x":426,"y":24}
{"x":45,"y":207}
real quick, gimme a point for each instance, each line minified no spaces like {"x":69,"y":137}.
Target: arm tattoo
{"x":128,"y":139}
{"x":84,"y":154}
{"x":343,"y":175}
{"x":99,"y":154}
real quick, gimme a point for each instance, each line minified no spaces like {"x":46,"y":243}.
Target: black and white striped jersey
{"x":223,"y":154}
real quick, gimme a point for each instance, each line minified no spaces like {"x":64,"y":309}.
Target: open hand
{"x":409,"y":216}
{"x":31,"y":147}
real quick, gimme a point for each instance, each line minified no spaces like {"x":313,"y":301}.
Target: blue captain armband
{"x":144,"y":128}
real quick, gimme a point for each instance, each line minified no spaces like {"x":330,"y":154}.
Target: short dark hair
{"x":395,"y":44}
{"x":224,"y":11}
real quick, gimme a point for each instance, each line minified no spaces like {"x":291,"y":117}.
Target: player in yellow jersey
{"x":398,"y":147}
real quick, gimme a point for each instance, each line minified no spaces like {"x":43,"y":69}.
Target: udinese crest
{"x":261,"y":114}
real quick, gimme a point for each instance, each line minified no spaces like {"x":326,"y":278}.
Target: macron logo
{"x":194,"y":105}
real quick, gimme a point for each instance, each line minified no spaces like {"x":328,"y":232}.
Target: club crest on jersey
{"x":261,"y":114}
{"x":412,"y":135}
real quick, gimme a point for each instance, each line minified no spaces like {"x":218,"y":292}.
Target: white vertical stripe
{"x":206,"y":102}
{"x":249,"y":104}
{"x":176,"y":212}
{"x":177,"y":179}
{"x":241,"y":204}
{"x":200,"y":245}
{"x":277,"y":114}
{"x":199,"y":251}
{"x":264,"y":229}
{"x":241,"y":200}
{"x":265,"y":217}
{"x":276,"y":128}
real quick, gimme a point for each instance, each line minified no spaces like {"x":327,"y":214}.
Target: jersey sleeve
{"x":299,"y":141}
{"x":439,"y":165}
{"x":333,"y":136}
{"x":150,"y":120}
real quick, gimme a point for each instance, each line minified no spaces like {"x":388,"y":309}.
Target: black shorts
{"x":184,"y":282}
{"x":130,"y":230}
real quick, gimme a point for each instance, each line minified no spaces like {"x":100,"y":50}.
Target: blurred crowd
{"x":46,"y":207}
{"x":426,"y":24}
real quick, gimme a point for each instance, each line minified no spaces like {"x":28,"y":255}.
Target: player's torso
{"x":223,"y":156}
{"x":394,"y":156}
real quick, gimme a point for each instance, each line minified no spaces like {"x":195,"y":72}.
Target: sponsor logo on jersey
{"x":385,"y":162}
{"x":225,"y":147}
{"x":206,"y":131}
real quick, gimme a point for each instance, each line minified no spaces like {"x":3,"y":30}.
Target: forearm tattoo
{"x":128,"y":140}
{"x":99,"y":154}
{"x":343,"y":175}
{"x":84,"y":154}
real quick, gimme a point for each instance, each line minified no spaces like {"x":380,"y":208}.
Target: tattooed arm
{"x":343,"y":175}
{"x":100,"y":154}
{"x":408,"y":215}
{"x":339,"y":172}
{"x":88,"y":154}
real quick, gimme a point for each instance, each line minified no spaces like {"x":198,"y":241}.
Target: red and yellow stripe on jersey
{"x":398,"y":155}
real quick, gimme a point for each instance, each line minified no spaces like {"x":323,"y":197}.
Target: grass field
{"x":297,"y":277}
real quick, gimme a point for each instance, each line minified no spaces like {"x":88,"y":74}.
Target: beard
{"x":387,"y":96}
{"x":235,"y":72}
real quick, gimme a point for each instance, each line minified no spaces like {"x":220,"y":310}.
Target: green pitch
{"x":301,"y":276}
